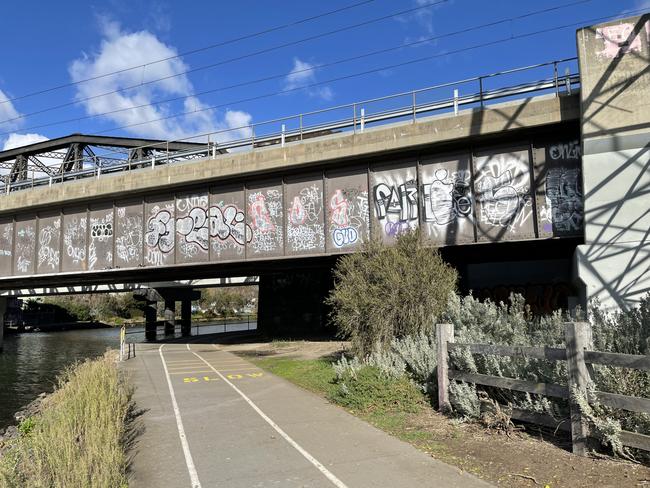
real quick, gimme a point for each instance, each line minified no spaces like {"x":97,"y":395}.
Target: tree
{"x":385,"y":292}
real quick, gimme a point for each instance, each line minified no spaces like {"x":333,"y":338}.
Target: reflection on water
{"x":30,"y":363}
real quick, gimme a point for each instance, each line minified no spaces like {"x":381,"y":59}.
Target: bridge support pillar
{"x":170,"y":316}
{"x":612,"y":264}
{"x":186,"y":317}
{"x":150,"y":321}
{"x":3,"y":309}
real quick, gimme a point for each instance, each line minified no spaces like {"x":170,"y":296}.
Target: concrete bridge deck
{"x":214,"y":419}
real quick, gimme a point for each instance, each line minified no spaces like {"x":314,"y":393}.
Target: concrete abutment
{"x":612,"y":265}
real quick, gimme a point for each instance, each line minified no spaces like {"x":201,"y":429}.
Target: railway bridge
{"x":538,"y":186}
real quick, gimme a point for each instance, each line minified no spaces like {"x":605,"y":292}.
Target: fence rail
{"x":352,"y":117}
{"x":579,"y":359}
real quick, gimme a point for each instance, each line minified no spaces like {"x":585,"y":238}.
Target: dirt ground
{"x":294,"y":349}
{"x":532,"y":458}
{"x":525,"y":459}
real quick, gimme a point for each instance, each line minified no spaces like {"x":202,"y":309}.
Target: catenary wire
{"x":268,"y":78}
{"x":73,"y":83}
{"x":277,"y":76}
{"x":375,"y":70}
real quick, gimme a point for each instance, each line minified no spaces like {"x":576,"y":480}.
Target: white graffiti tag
{"x":194,"y":227}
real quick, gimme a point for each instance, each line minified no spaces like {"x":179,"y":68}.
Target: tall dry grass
{"x":80,"y":438}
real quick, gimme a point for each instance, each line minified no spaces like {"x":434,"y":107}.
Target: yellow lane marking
{"x":233,"y":376}
{"x":226,"y":361}
{"x":183,"y":362}
{"x":191,"y":372}
{"x":238,"y":369}
{"x":186,"y":366}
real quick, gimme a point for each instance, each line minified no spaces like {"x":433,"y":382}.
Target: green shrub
{"x":413,"y":358}
{"x":27,"y":425}
{"x":369,"y":390}
{"x":386,"y":292}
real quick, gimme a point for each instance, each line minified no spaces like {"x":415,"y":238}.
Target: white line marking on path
{"x":328,"y":474}
{"x":191,"y":469}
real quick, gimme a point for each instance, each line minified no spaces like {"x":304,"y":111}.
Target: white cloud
{"x":15,"y":140}
{"x":302,"y":74}
{"x":120,"y":50}
{"x":420,"y":23}
{"x":19,"y":140}
{"x":7,"y":112}
{"x":424,"y":16}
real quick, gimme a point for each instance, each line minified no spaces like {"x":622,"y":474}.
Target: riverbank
{"x":77,"y":436}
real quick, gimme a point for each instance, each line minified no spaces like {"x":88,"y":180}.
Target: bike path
{"x":215,"y":419}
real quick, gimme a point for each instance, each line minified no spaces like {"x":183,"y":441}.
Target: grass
{"x":392,"y":405}
{"x":80,"y":437}
{"x":315,"y":375}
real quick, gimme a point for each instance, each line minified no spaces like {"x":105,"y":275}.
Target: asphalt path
{"x":213,"y":419}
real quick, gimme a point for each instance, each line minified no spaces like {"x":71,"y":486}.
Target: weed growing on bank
{"x":80,"y":437}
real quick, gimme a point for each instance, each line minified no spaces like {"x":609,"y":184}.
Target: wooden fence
{"x":579,"y":360}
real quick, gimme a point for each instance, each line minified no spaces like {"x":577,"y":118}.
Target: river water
{"x":30,"y":362}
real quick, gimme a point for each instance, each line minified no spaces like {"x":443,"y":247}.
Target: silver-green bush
{"x":386,"y":292}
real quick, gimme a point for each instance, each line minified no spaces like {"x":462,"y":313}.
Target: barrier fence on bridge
{"x":560,"y":77}
{"x":128,"y":343}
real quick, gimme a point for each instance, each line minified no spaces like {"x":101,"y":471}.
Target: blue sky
{"x":48,"y":44}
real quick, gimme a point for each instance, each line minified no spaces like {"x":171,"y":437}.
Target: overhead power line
{"x":230,"y":41}
{"x":284,"y":74}
{"x":376,"y":70}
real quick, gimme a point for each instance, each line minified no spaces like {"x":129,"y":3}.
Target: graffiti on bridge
{"x":305,"y":220}
{"x":348,"y":216}
{"x":454,"y":199}
{"x":265,"y":212}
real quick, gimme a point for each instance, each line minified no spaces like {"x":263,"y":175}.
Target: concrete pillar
{"x":150,"y":320}
{"x":612,"y":265}
{"x":170,"y":316}
{"x":3,"y":309}
{"x":186,"y":317}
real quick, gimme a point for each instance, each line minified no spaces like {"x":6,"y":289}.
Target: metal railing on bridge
{"x":351,"y":117}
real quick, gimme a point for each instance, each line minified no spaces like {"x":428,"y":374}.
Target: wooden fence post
{"x":577,"y":336}
{"x":445,"y":334}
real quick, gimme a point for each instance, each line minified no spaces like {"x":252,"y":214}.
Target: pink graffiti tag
{"x":260,"y":216}
{"x":339,"y":206}
{"x":619,"y":39}
{"x":297,"y":214}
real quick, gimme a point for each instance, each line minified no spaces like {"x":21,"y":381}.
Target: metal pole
{"x":301,"y":127}
{"x":414,"y":104}
{"x":354,"y":117}
{"x":555,"y":80}
{"x":480,"y":90}
{"x":455,"y":101}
